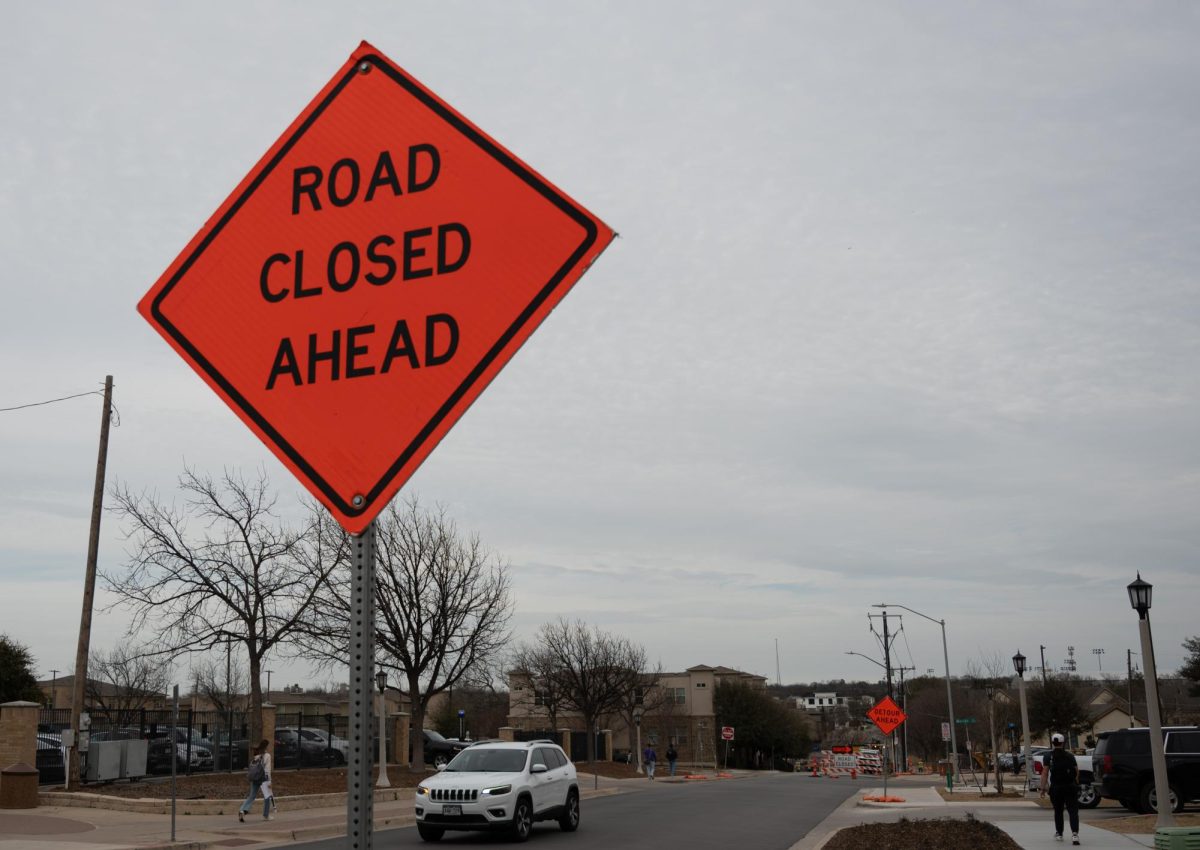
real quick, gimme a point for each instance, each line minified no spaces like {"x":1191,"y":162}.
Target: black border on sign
{"x":489,"y":147}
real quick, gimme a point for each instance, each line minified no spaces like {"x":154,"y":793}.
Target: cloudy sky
{"x":904,"y":309}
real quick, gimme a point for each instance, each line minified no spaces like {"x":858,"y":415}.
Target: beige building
{"x":678,"y":709}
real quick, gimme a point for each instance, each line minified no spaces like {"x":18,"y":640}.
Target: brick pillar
{"x":18,"y":733}
{"x":606,"y":755}
{"x":508,"y":733}
{"x":268,"y":729}
{"x":564,"y":741}
{"x":400,"y":743}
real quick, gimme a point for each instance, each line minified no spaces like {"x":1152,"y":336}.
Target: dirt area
{"x":1142,"y":823}
{"x":939,"y":834}
{"x":291,"y":783}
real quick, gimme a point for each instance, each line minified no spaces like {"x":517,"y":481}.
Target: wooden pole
{"x":89,"y":589}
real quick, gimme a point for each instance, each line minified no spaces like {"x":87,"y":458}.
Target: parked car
{"x":291,"y":748}
{"x":1123,"y":770}
{"x":161,"y":749}
{"x":439,"y":750}
{"x":320,"y":738}
{"x":500,"y":786}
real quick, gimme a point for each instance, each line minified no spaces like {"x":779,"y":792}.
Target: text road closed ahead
{"x":367,"y":280}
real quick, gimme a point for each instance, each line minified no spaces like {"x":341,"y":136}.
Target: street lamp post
{"x":637,"y":724}
{"x":1019,"y":666}
{"x":381,"y":682}
{"x":949,"y":692}
{"x":1139,"y":598}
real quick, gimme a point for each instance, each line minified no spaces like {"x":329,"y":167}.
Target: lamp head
{"x":381,"y":681}
{"x":1019,"y":664}
{"x":1139,"y":595}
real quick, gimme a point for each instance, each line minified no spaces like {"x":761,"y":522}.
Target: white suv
{"x":500,"y":786}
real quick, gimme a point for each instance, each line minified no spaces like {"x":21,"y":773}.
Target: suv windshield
{"x":482,"y":760}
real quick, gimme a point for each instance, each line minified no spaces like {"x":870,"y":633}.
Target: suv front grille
{"x":453,"y":795}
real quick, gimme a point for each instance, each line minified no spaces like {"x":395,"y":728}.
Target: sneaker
{"x":1075,"y":838}
{"x":241,"y":816}
{"x":1058,"y":836}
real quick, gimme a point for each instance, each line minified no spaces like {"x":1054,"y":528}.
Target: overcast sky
{"x":904,"y":309}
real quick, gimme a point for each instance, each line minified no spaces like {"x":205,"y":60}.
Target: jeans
{"x":671,"y":763}
{"x":1065,"y":795}
{"x":249,"y":803}
{"x":650,"y":769}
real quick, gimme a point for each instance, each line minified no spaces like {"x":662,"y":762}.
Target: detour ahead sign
{"x":366,"y":281}
{"x":887,"y":715}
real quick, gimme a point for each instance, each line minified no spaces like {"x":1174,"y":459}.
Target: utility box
{"x":1177,"y":838}
{"x":104,"y":761}
{"x":133,"y":761}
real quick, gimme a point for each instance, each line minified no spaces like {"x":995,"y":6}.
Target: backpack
{"x":1062,"y":767}
{"x":257,"y":771}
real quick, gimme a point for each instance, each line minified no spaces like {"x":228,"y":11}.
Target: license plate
{"x":452,"y":810}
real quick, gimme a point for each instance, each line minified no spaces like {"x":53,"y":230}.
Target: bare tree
{"x":593,"y":670}
{"x":223,"y":684}
{"x":122,"y":681}
{"x":534,"y":685}
{"x":223,"y":568}
{"x":442,"y":606}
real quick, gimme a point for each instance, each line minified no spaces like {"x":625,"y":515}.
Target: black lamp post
{"x":381,"y":683}
{"x":1019,"y":666}
{"x":1139,"y":599}
{"x":637,"y":722}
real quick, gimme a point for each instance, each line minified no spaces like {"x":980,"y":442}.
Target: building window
{"x":677,"y":695}
{"x":679,"y":736}
{"x":540,"y":697}
{"x":701,"y":684}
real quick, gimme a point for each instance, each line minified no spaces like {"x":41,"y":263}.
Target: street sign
{"x":368,"y":278}
{"x":887,"y":715}
{"x":726,"y":733}
{"x":945,"y":731}
{"x":965,"y":720}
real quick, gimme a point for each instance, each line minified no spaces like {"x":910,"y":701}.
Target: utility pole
{"x":1043,"y":649}
{"x":89,"y":590}
{"x":1129,"y":673}
{"x":53,"y":687}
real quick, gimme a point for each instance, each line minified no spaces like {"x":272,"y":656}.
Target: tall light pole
{"x":949,"y":692}
{"x":1139,"y":598}
{"x":1019,"y":666}
{"x":637,"y":724}
{"x":382,"y":781}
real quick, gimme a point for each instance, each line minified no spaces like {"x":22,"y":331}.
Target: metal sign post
{"x":360,"y":800}
{"x":174,"y":755}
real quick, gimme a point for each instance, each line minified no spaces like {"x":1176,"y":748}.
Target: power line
{"x":50,"y":401}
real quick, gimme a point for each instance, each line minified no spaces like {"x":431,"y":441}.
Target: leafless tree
{"x":442,"y":605}
{"x":122,"y":681}
{"x":534,"y":685}
{"x":224,"y":685}
{"x":596,"y":672}
{"x":221,"y":568}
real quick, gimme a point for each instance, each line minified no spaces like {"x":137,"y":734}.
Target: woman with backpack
{"x":259,"y":774}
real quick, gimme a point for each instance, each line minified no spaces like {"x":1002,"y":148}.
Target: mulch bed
{"x":1142,"y":824}
{"x":291,"y":783}
{"x":939,"y":834}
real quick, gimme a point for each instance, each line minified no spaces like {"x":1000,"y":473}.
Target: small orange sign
{"x":366,"y":281}
{"x":887,"y":715}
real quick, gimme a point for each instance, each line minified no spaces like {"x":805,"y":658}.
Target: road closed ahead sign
{"x":367,"y":280}
{"x":887,"y":715}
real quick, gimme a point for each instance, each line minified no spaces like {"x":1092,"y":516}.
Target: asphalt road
{"x":769,"y":812}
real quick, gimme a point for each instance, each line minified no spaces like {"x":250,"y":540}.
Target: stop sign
{"x":726,"y":733}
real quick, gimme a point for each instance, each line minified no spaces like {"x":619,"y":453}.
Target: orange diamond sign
{"x":887,"y":715}
{"x":366,"y":281}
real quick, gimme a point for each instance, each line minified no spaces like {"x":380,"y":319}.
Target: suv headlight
{"x":422,"y":790}
{"x":498,"y":791}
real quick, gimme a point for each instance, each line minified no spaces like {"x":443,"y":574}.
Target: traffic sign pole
{"x":360,"y":801}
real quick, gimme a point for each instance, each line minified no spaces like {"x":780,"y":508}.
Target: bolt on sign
{"x":367,"y":279}
{"x":887,"y":715}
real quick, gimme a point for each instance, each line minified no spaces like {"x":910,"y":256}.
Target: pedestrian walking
{"x":672,"y":757}
{"x":259,"y":775}
{"x":649,"y":757}
{"x":1061,"y":774}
